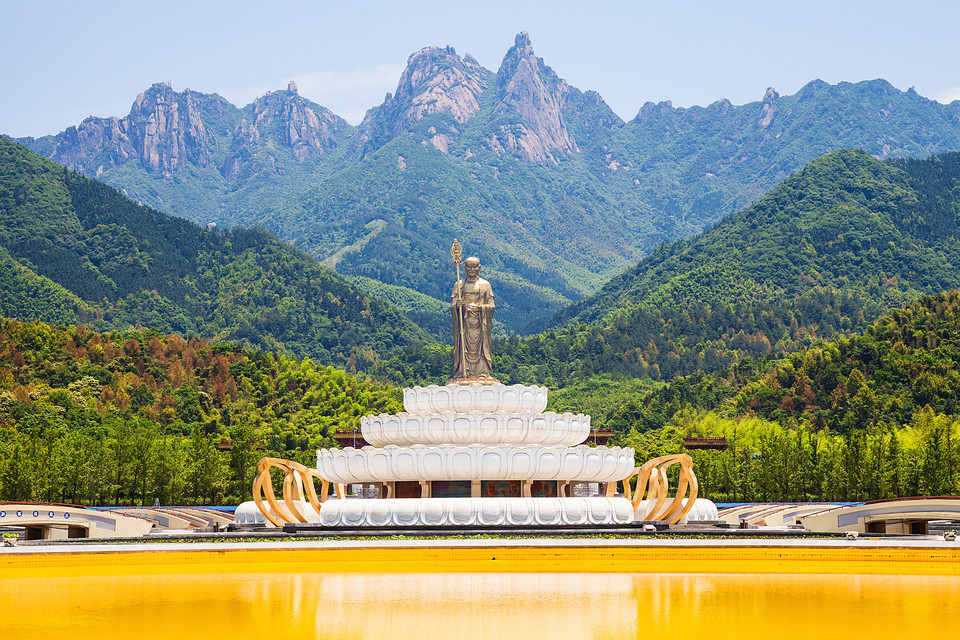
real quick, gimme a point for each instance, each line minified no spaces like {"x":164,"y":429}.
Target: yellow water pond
{"x":464,"y":606}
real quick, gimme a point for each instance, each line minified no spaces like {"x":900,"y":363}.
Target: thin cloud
{"x":349,"y":94}
{"x":243,"y":96}
{"x":948,"y":96}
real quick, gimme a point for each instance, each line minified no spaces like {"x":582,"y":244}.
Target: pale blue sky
{"x":66,"y":60}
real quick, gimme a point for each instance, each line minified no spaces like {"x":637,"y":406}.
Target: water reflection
{"x":475,"y":606}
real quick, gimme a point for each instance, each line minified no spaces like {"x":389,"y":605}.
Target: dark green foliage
{"x":904,"y":362}
{"x":120,"y":264}
{"x":827,"y":251}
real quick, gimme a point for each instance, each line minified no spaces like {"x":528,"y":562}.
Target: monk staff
{"x":457,"y":252}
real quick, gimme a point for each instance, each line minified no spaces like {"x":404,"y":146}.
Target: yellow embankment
{"x":397,"y":558}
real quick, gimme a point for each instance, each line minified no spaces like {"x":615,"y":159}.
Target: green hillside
{"x":863,"y":417}
{"x":829,"y":250}
{"x":103,"y":260}
{"x":131,"y":416}
{"x":511,"y":223}
{"x":699,"y":164}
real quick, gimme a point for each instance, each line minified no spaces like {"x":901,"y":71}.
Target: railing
{"x":705,"y":443}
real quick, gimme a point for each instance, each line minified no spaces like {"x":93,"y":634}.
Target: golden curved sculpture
{"x":297,"y":479}
{"x":652,"y":484}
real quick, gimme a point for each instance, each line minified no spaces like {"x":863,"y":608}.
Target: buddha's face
{"x":473,"y":268}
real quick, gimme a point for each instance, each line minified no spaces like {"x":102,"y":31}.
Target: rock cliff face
{"x":167,"y":130}
{"x":530,"y":89}
{"x":769,"y":108}
{"x":530,"y":104}
{"x":164,"y":130}
{"x":94,"y":143}
{"x":435,"y":81}
{"x":284,"y":119}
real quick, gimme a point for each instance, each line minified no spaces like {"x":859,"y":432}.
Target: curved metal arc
{"x":658,"y":512}
{"x":263,"y":488}
{"x":694,"y":490}
{"x":652,"y":484}
{"x":297,"y":481}
{"x":658,"y":492}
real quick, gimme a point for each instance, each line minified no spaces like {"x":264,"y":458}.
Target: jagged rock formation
{"x":768,"y":109}
{"x":168,"y":130}
{"x":435,"y":81}
{"x":531,"y":90}
{"x":648,"y":109}
{"x":284,"y":119}
{"x":528,"y":118}
{"x":92,"y":139}
{"x":164,"y":130}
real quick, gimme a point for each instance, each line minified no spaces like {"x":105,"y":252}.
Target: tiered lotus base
{"x":476,"y":455}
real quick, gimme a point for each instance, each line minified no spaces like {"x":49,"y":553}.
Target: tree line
{"x":137,"y":416}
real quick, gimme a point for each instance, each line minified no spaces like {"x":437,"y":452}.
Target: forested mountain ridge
{"x":101,"y":259}
{"x":513,"y":163}
{"x":827,"y":251}
{"x":846,"y":220}
{"x":901,"y":365}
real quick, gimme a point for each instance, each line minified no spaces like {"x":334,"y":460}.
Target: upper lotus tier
{"x":404,"y":429}
{"x":465,"y":398}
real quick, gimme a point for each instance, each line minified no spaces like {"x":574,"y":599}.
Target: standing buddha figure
{"x":471,"y":307}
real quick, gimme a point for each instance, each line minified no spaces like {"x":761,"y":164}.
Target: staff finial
{"x":457,"y":252}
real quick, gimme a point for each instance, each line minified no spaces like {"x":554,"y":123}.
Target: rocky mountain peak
{"x":285,"y":119}
{"x":650,"y":109}
{"x":164,"y":129}
{"x":168,"y":127}
{"x":435,"y":80}
{"x":530,"y":89}
{"x":723,"y":106}
{"x":768,"y":108}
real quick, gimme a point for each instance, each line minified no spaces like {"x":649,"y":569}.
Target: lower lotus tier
{"x":474,"y":462}
{"x":477,"y":511}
